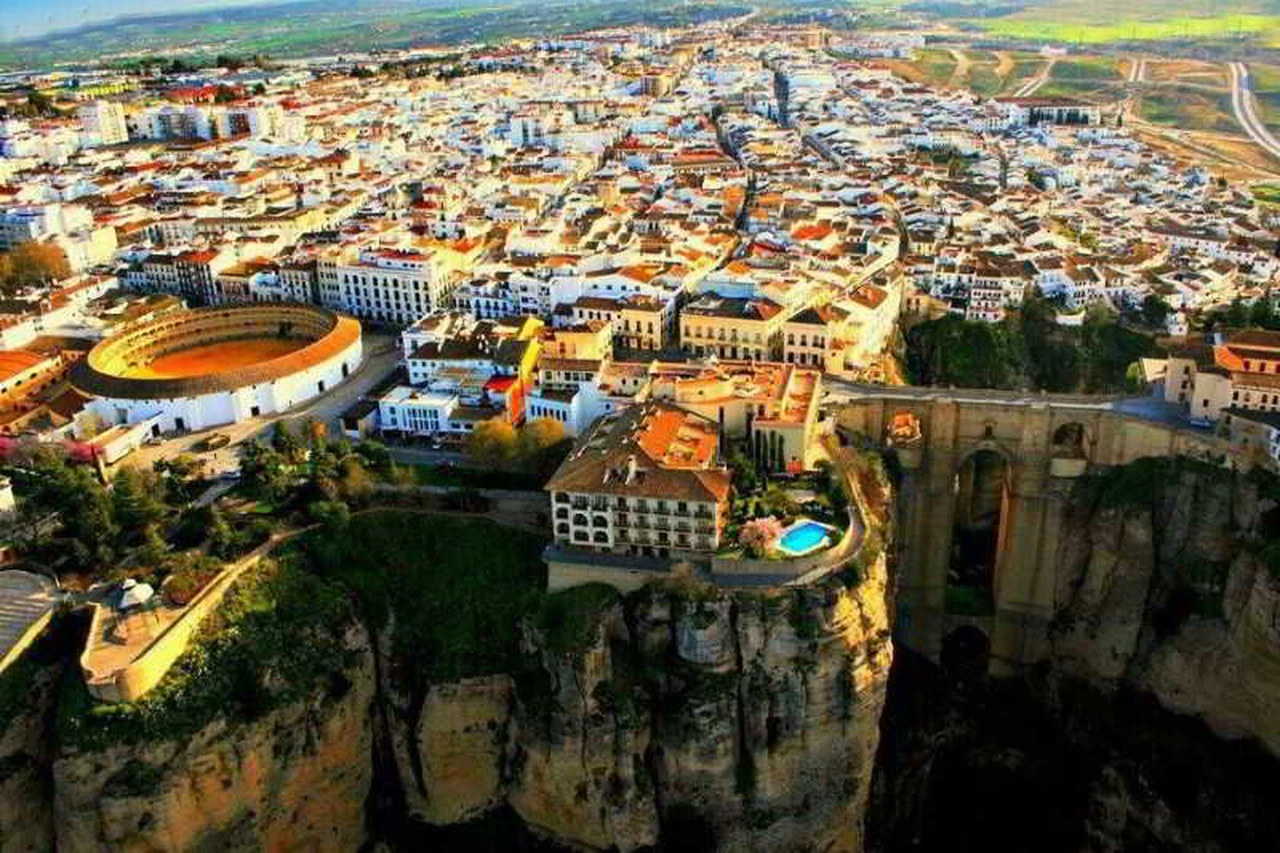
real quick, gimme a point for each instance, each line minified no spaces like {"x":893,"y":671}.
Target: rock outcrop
{"x":26,"y":750}
{"x":1152,"y":725}
{"x":737,"y":720}
{"x":1164,"y":591}
{"x":295,"y":779}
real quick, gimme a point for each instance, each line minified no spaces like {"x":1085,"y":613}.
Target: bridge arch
{"x":1070,"y":439}
{"x":982,"y":488}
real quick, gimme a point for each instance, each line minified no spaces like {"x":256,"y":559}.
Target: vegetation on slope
{"x":278,"y":635}
{"x":1026,"y":349}
{"x":327,"y":27}
{"x":454,"y":590}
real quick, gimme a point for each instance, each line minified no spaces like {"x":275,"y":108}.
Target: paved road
{"x":1242,"y":106}
{"x":1033,"y":85}
{"x":381,"y":356}
{"x":1137,"y":70}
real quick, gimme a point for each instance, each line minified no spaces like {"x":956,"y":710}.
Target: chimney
{"x":631,"y":469}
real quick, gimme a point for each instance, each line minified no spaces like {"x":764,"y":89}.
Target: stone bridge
{"x":986,"y":475}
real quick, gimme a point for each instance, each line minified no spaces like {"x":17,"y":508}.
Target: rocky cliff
{"x":1164,"y":587}
{"x":679,"y":715}
{"x":296,"y":778}
{"x":1152,"y":725}
{"x":732,"y":720}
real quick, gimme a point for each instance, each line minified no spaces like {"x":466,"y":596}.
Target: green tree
{"x":84,"y":507}
{"x":333,"y":515}
{"x":288,"y":444}
{"x":375,"y":454}
{"x":264,"y":472}
{"x":135,"y":503}
{"x":492,"y":444}
{"x":1237,"y":314}
{"x":541,"y":445}
{"x":32,"y":264}
{"x":1155,"y":310}
{"x":355,"y":484}
{"x":1262,"y":313}
{"x":224,"y":543}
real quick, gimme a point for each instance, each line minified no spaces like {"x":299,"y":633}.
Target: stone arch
{"x":1070,"y":439}
{"x":981,"y":494}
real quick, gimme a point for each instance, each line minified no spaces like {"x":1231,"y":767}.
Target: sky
{"x":20,"y":19}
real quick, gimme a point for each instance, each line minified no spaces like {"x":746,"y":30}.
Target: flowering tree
{"x":759,"y":533}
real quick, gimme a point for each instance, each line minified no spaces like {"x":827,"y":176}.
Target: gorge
{"x":688,"y":717}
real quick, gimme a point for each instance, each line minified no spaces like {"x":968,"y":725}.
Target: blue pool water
{"x":804,"y":537}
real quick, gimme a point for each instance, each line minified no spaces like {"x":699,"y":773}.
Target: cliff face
{"x":297,"y":778}
{"x":680,"y":714}
{"x":1165,"y":592}
{"x":723,"y":720}
{"x":1164,"y":642}
{"x":26,"y":749}
{"x":730,"y":719}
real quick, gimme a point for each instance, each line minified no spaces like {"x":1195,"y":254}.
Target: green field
{"x":936,"y":66}
{"x":1267,"y":193}
{"x":1265,"y":82}
{"x":1075,"y":23}
{"x":1189,"y":109}
{"x":984,"y":81}
{"x":1089,"y":90}
{"x":1086,"y":68}
{"x":325,"y":27}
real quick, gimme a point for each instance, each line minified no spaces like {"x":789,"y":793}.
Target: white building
{"x":103,"y":123}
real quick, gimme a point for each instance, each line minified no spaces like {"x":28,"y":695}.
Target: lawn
{"x":455,"y":477}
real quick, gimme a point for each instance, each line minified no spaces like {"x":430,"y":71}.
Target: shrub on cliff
{"x":277,"y":636}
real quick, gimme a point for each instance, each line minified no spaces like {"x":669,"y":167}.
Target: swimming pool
{"x":804,"y":537}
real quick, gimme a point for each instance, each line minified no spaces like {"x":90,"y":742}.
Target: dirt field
{"x":1187,"y":71}
{"x":215,"y":358}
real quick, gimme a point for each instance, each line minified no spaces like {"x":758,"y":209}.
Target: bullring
{"x":204,"y":367}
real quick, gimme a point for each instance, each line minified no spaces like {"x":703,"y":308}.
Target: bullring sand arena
{"x":214,"y":358}
{"x":191,"y":369}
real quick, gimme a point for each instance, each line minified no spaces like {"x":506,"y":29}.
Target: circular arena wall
{"x":205,"y":367}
